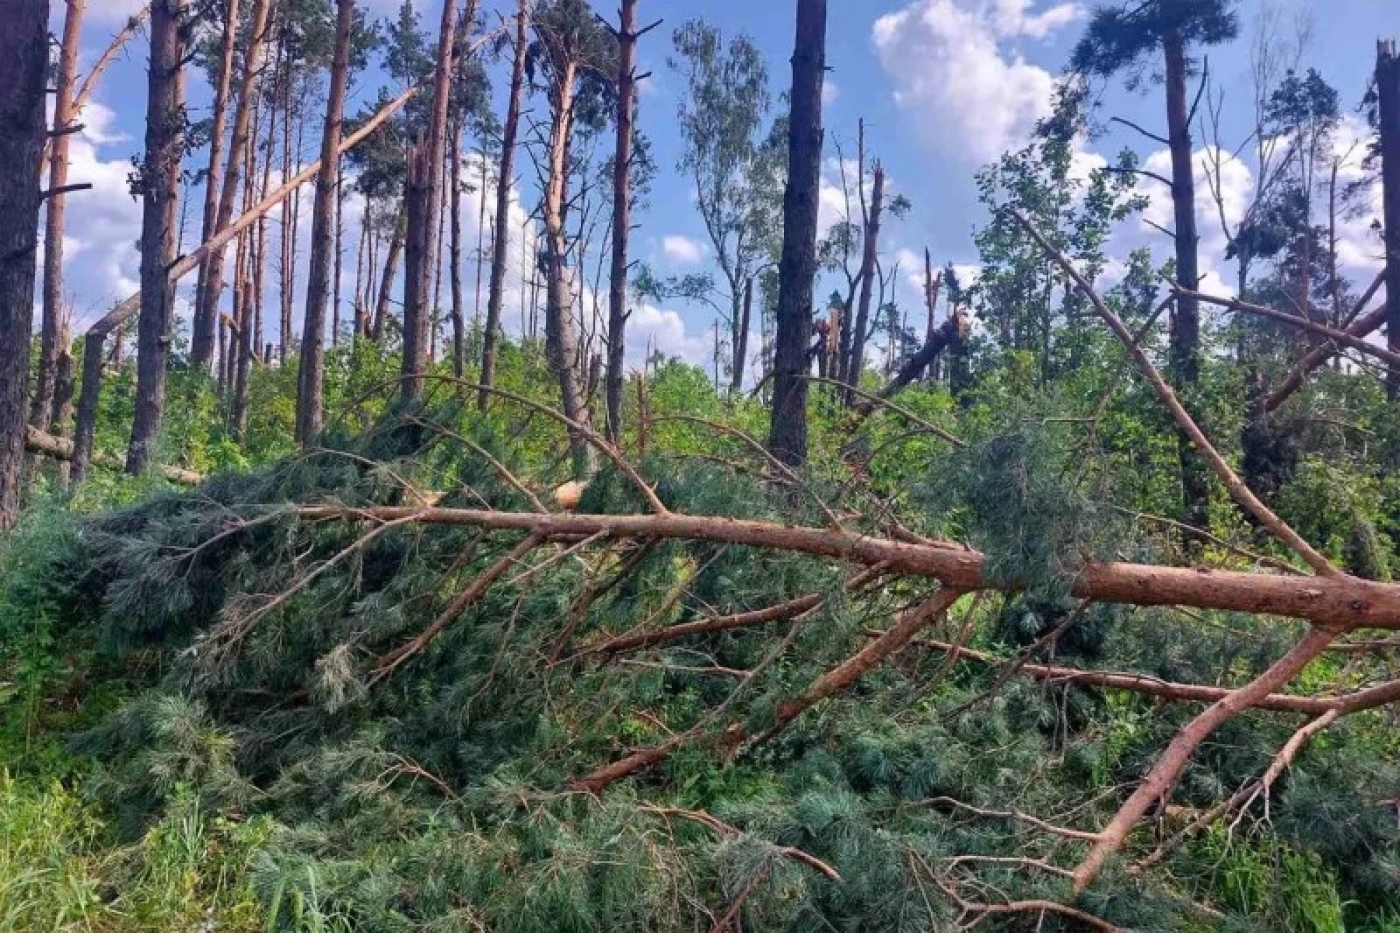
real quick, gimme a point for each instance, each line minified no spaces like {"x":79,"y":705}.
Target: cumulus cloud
{"x":953,"y":63}
{"x":682,"y":250}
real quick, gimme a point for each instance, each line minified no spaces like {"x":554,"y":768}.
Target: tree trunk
{"x":23,"y":67}
{"x":560,"y":337}
{"x":495,"y":290}
{"x":741,"y":339}
{"x":207,"y":292}
{"x":459,"y":312}
{"x":338,"y":252}
{"x":1388,"y":94}
{"x":41,"y":402}
{"x":415,"y":268}
{"x":423,"y":233}
{"x":160,"y":187}
{"x":287,"y":238}
{"x":203,"y":327}
{"x":391,"y":271}
{"x":787,"y":438}
{"x":1186,"y":322}
{"x":867,"y":279}
{"x":622,"y":213}
{"x":311,"y":374}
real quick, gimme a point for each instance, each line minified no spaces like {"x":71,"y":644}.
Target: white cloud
{"x":948,"y":62}
{"x":664,"y":331}
{"x":683,"y":250}
{"x":105,"y":12}
{"x":829,"y":91}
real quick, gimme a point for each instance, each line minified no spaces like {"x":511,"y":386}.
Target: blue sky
{"x":943,"y":85}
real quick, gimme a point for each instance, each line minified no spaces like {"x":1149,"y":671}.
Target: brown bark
{"x":42,"y":398}
{"x":1186,"y":322}
{"x":210,"y":285}
{"x":61,"y":449}
{"x":202,"y":328}
{"x":741,"y":338}
{"x":459,"y":320}
{"x":423,"y":234}
{"x":1336,"y":600}
{"x":1342,"y":337}
{"x":122,"y":313}
{"x":416,"y":265}
{"x":627,"y":36}
{"x":23,"y":36}
{"x":1388,"y":105}
{"x":391,"y":270}
{"x":311,"y":374}
{"x":950,"y":333}
{"x":160,"y":190}
{"x":562,"y":347}
{"x":1360,"y":326}
{"x":495,"y":290}
{"x":787,"y":438}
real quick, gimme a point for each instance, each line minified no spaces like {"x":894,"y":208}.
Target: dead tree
{"x":787,"y":437}
{"x":1388,"y":104}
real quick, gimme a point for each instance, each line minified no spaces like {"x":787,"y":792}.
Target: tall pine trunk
{"x":160,"y":187}
{"x":211,"y":282}
{"x":562,"y":349}
{"x":1388,"y":101}
{"x":311,"y":376}
{"x":741,"y":339}
{"x":55,"y":309}
{"x":391,"y":270}
{"x":459,"y":322}
{"x":495,"y":290}
{"x":422,"y":230}
{"x":787,"y":437}
{"x":204,"y":327}
{"x":622,"y":213}
{"x":1186,"y":322}
{"x":23,"y":66}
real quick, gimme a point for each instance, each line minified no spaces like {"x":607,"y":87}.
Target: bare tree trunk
{"x":495,"y":290}
{"x":362,"y":257}
{"x":1388,"y":94}
{"x":160,"y":187}
{"x":338,"y":249}
{"x":23,"y":66}
{"x":203,"y":327}
{"x":1186,"y":322}
{"x":41,"y":402}
{"x":627,"y":36}
{"x":787,"y":438}
{"x":415,"y":268}
{"x":391,"y":271}
{"x":311,"y":375}
{"x":869,"y":258}
{"x":561,"y":338}
{"x":286,"y":239}
{"x":207,"y":292}
{"x":423,"y":232}
{"x":459,"y":321}
{"x":741,"y":338}
{"x":435,"y":323}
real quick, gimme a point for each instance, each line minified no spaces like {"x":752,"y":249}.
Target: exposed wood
{"x":41,"y":442}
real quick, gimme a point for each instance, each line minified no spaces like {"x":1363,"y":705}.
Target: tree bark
{"x":950,"y":333}
{"x":741,"y":338}
{"x":560,"y":336}
{"x":869,"y":258}
{"x":459,"y":313}
{"x":416,"y":265}
{"x":202,"y":333}
{"x":311,"y":374}
{"x":210,"y":285}
{"x":787,"y":438}
{"x":622,"y":213}
{"x":23,"y":36}
{"x":418,"y":279}
{"x":160,"y":189}
{"x":1186,"y":322}
{"x":1388,"y":102}
{"x":495,"y":290}
{"x":391,"y":271}
{"x":55,"y":308}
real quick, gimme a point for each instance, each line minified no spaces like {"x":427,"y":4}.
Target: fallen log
{"x":1339,"y":600}
{"x":61,"y":448}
